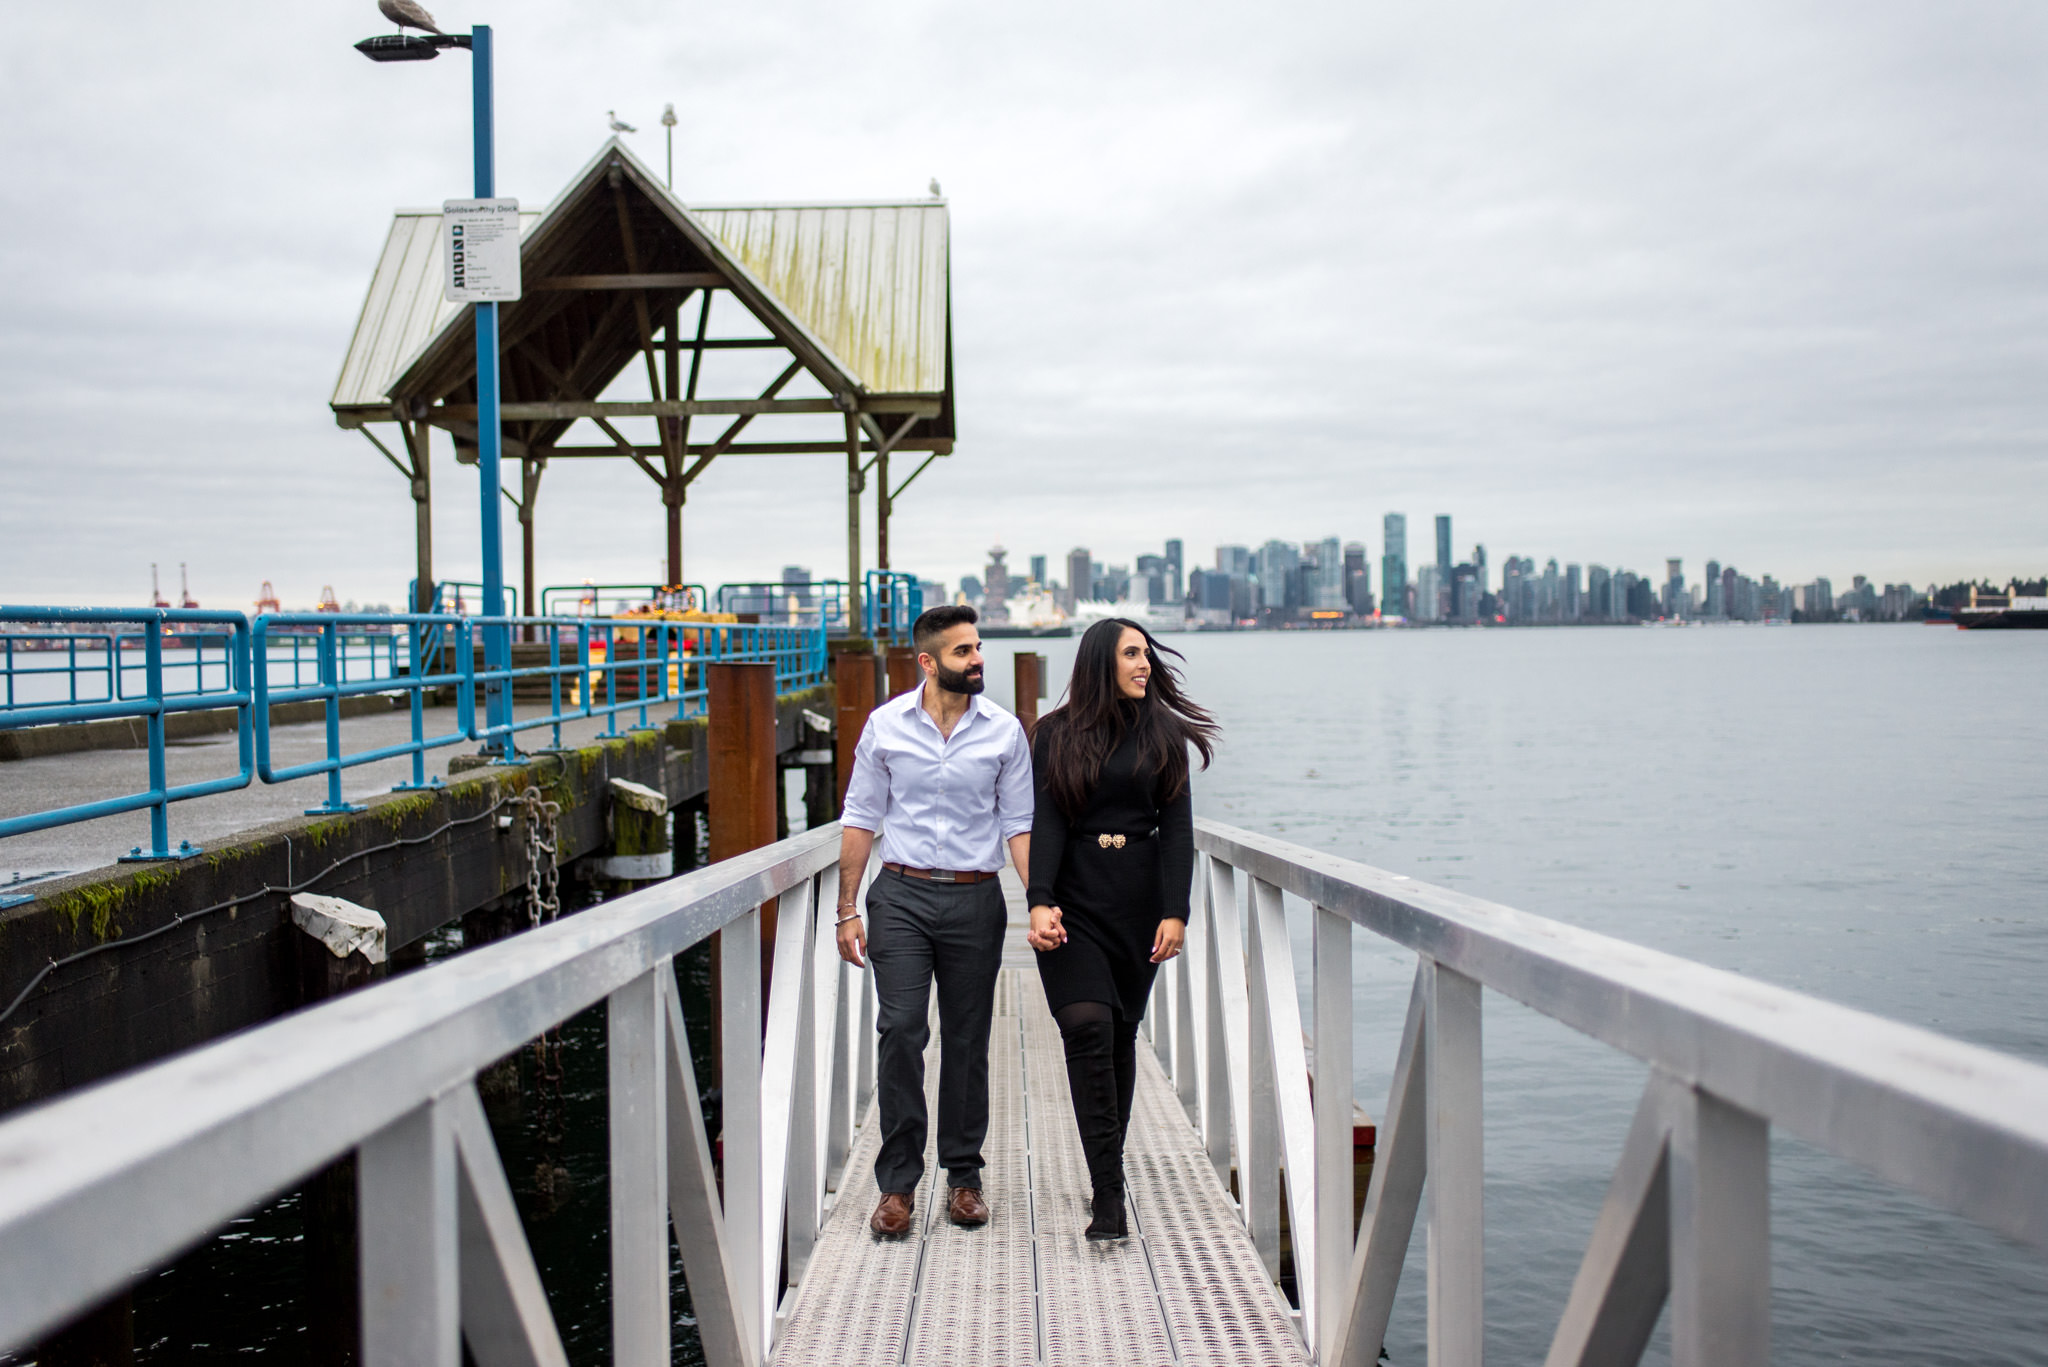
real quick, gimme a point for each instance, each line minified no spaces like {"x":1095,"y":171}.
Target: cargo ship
{"x":2017,"y":614}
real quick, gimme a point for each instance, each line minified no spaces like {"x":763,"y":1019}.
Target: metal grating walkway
{"x":1026,"y":1289}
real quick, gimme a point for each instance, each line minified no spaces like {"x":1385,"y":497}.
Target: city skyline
{"x":1714,"y":589}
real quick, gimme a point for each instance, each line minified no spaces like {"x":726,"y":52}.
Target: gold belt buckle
{"x":1110,"y":842}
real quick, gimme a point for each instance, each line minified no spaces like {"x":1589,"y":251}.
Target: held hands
{"x":1046,"y":931}
{"x":1172,"y":933}
{"x":853,"y":942}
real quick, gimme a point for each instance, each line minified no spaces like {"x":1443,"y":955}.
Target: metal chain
{"x":543,"y":901}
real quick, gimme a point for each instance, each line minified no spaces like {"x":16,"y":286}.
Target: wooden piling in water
{"x":854,"y":675}
{"x":1030,"y":676}
{"x":744,"y":779}
{"x":904,"y":674}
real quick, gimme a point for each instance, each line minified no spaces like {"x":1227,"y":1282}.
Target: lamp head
{"x":409,"y":47}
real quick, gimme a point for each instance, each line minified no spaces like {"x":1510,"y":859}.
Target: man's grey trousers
{"x":920,"y":932}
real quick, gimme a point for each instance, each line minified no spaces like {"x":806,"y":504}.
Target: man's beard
{"x":968,"y":681}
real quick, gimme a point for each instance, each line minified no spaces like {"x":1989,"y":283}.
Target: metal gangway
{"x":100,"y":1185}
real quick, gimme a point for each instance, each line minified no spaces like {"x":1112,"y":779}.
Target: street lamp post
{"x":497,"y":636}
{"x":668,"y":122}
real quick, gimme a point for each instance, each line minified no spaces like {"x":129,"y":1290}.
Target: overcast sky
{"x":1611,"y":283}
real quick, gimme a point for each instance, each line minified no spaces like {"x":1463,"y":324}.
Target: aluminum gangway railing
{"x":1686,"y":1217}
{"x":98,"y":1186}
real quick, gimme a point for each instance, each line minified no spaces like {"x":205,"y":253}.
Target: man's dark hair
{"x":933,"y":623}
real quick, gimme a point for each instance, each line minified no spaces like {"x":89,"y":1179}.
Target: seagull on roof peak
{"x":618,"y":127}
{"x":936,"y":192}
{"x":407,"y":14}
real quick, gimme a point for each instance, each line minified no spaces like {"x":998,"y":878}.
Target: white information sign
{"x":482,"y":250}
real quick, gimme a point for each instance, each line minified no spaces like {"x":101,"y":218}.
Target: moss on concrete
{"x":96,"y":907}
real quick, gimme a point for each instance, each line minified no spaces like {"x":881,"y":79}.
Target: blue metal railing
{"x":423,"y":635}
{"x":158,"y":701}
{"x":821,"y":602}
{"x":449,"y":597}
{"x":39,"y":668}
{"x":572,"y":600}
{"x":891,"y":604}
{"x":579,"y":667}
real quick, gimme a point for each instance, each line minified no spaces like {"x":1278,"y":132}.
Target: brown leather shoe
{"x":964,"y":1207}
{"x":891,"y":1219}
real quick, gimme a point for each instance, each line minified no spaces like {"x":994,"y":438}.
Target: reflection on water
{"x":1854,"y":812}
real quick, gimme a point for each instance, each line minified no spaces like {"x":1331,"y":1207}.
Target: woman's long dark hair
{"x":1081,"y":732}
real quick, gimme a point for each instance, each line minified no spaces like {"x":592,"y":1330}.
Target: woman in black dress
{"x":1112,"y":859}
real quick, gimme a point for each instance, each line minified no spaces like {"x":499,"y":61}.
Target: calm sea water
{"x":1853,"y":812}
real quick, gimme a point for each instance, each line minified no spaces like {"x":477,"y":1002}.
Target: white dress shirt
{"x":941,"y":802}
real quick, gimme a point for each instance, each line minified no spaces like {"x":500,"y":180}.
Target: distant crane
{"x":266,"y":601}
{"x":156,"y":595}
{"x":617,"y":126}
{"x":407,"y":14}
{"x":185,"y":598}
{"x":328,"y":602}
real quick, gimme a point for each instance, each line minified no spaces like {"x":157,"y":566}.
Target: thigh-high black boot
{"x":1089,"y":1038}
{"x":1126,"y":1072}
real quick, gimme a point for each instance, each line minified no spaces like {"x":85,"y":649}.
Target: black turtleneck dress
{"x":1111,"y":899}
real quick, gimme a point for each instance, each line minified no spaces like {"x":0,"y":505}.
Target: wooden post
{"x":423,"y":516}
{"x":853,"y":677}
{"x":743,"y":773}
{"x":640,"y":850}
{"x":854,"y":623}
{"x":1030,"y":684}
{"x":530,"y":468}
{"x":672,"y":496}
{"x":882,"y":511}
{"x":904,"y":674}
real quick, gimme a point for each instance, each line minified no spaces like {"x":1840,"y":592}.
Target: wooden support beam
{"x":945,"y":450}
{"x":854,"y":479}
{"x":672,"y":439}
{"x":936,"y":445}
{"x":627,"y":448}
{"x":659,"y":280}
{"x":725,"y":440}
{"x":417,"y":441}
{"x":396,"y":464}
{"x":640,"y":313}
{"x":567,"y":410}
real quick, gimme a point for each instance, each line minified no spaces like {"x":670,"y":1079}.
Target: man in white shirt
{"x":945,"y":776}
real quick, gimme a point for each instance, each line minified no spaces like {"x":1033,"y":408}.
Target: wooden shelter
{"x":618,"y":270}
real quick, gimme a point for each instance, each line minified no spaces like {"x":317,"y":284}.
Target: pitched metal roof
{"x":403,"y":311}
{"x":869,"y":281}
{"x":866,"y":283}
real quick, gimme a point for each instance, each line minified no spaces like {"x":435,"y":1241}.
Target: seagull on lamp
{"x":408,"y":14}
{"x":936,"y":194}
{"x":617,"y":126}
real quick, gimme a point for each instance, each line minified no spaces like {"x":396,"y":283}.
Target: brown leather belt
{"x":940,"y":875}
